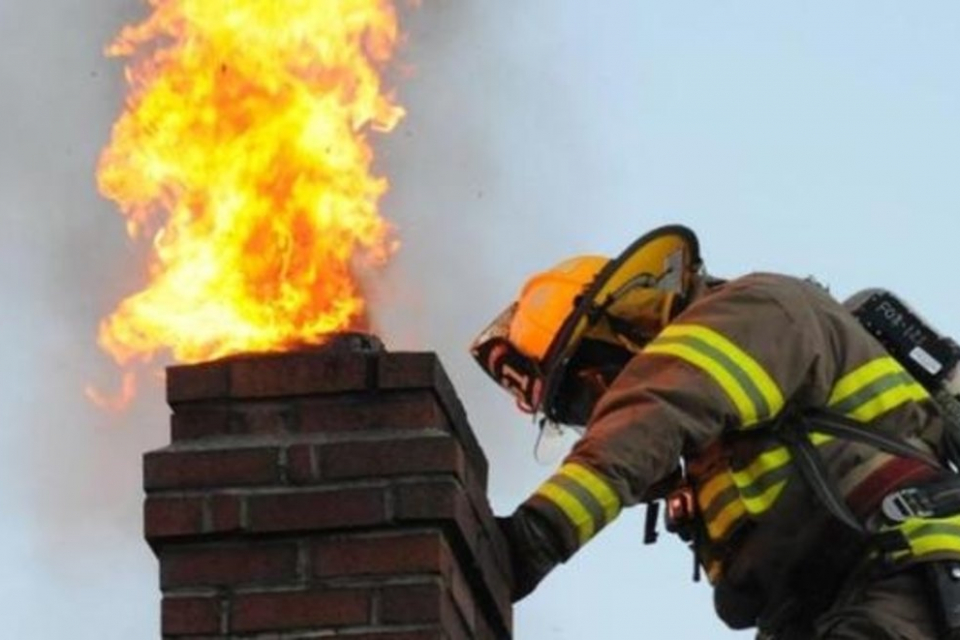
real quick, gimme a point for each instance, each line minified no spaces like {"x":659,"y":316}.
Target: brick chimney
{"x":336,"y":491}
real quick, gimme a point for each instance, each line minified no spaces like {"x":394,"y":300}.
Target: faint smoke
{"x":70,"y":477}
{"x":69,"y":474}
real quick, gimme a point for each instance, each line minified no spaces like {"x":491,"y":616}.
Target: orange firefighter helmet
{"x":574,"y":326}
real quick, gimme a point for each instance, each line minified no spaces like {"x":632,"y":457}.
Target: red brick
{"x":495,"y":576}
{"x":316,"y":510}
{"x":423,"y":603}
{"x":228,"y":566}
{"x":202,"y":469}
{"x":373,"y":458}
{"x":207,"y":381}
{"x":193,"y":423}
{"x":423,"y":549}
{"x":412,"y":603}
{"x":453,"y":624}
{"x":424,"y":552}
{"x":171,"y":517}
{"x":484,"y":542}
{"x":262,"y":418}
{"x":383,"y":410}
{"x":423,"y":371}
{"x":491,"y":550}
{"x":409,"y":370}
{"x":297,"y":373}
{"x":441,"y":499}
{"x":420,"y":370}
{"x":225,"y":513}
{"x":301,"y":464}
{"x":298,"y":610}
{"x":189,"y":616}
{"x":477,"y":492}
{"x":444,"y":501}
{"x":462,"y":596}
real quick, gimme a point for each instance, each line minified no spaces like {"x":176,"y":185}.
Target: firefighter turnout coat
{"x":708,"y":390}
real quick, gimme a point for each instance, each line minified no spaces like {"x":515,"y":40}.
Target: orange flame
{"x":117,"y":401}
{"x":243,"y":153}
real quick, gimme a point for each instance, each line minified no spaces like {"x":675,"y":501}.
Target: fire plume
{"x":243,"y":154}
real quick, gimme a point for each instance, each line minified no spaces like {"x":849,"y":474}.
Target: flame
{"x":243,"y":154}
{"x":116,"y":401}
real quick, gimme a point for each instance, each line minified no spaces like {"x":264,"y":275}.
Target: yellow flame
{"x":243,"y":153}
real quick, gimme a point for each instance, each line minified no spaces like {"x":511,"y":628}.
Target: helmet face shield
{"x":509,"y":368}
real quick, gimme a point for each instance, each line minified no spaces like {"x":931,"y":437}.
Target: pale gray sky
{"x":807,"y":137}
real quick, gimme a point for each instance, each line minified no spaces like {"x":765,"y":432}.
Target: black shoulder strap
{"x":794,"y":430}
{"x":840,"y":426}
{"x":795,"y":435}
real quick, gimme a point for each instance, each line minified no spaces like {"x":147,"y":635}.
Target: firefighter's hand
{"x":533,"y":552}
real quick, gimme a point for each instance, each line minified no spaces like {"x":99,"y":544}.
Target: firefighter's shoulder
{"x":794,"y":295}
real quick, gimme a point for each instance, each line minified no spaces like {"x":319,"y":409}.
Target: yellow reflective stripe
{"x":575,"y":512}
{"x":927,"y":536}
{"x":863,"y":376}
{"x":712,"y":488}
{"x":719,"y":526}
{"x":767,"y":466}
{"x":748,"y":413}
{"x":596,"y":486}
{"x":757,"y":501}
{"x":584,"y":497}
{"x":935,"y":544}
{"x":768,"y":388}
{"x":760,"y":503}
{"x":820,"y":438}
{"x":763,"y":463}
{"x":720,"y":504}
{"x":749,"y":387}
{"x":772,"y":459}
{"x":875,"y":388}
{"x":888,"y":401}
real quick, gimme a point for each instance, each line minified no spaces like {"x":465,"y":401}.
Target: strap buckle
{"x":906,"y":503}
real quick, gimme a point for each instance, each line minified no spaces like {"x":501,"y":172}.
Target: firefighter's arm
{"x":728,"y":362}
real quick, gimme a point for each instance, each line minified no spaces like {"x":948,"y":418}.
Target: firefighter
{"x":796,"y":456}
